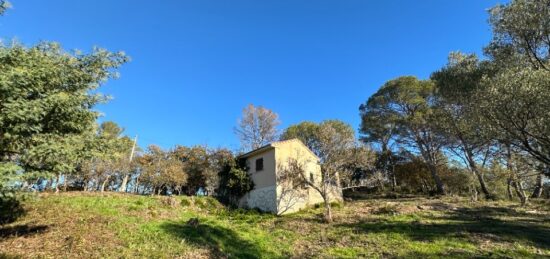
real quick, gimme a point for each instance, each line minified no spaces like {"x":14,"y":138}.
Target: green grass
{"x":128,"y":226}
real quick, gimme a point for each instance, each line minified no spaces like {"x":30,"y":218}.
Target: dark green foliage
{"x":10,"y":207}
{"x":234,"y":182}
{"x":47,"y":96}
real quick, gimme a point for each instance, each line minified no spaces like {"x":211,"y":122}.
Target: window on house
{"x":259,"y":164}
{"x":311,"y":178}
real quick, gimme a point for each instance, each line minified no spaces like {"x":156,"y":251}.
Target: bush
{"x":10,"y":207}
{"x":234,"y":182}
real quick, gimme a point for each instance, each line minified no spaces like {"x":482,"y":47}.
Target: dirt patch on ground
{"x":437,"y":206}
{"x":395,"y":208}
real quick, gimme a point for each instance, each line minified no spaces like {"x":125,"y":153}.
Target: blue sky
{"x":197,"y":63}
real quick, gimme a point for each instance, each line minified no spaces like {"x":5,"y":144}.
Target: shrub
{"x":10,"y":207}
{"x":234,"y":182}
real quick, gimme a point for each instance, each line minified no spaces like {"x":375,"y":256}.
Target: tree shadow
{"x":21,"y":230}
{"x":471,"y":224}
{"x":459,"y":254}
{"x":222,"y":242}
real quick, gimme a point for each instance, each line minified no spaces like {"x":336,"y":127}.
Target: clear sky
{"x":197,"y":63}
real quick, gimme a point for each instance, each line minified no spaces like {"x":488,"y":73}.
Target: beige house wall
{"x":264,"y":195}
{"x":279,"y":197}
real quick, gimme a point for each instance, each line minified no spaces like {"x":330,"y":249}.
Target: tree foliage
{"x":234,"y":182}
{"x":47,"y":97}
{"x":4,"y":5}
{"x":521,"y":33}
{"x":407,"y":103}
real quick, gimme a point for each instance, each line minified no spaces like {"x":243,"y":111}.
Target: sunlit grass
{"x":114,"y":225}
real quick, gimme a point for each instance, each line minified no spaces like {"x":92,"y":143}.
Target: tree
{"x":516,"y":103}
{"x":377,"y":129}
{"x":520,"y":47}
{"x":4,"y":5}
{"x":257,"y":127}
{"x":162,"y":171}
{"x":234,"y":182}
{"x":290,"y":184}
{"x":196,"y":164}
{"x":334,"y":142}
{"x":521,"y":33}
{"x":219,"y":159}
{"x":48,"y":94}
{"x":104,"y":157}
{"x":52,"y":157}
{"x":304,"y":131}
{"x":407,"y":103}
{"x":458,"y":118}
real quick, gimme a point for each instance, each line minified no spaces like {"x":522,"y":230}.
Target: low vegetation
{"x":80,"y":224}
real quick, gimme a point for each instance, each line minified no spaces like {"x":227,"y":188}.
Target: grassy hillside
{"x":115,"y":225}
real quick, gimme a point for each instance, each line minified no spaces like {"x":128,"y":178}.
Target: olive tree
{"x":458,"y":116}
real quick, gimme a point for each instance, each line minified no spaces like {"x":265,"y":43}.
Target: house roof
{"x":274,"y":145}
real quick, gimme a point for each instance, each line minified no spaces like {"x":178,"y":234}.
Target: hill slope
{"x":117,"y":225}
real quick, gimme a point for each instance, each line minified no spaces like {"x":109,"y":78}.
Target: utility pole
{"x":133,"y":148}
{"x":125,"y":179}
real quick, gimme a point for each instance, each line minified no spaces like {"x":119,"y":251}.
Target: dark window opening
{"x":259,"y":164}
{"x":311,"y":178}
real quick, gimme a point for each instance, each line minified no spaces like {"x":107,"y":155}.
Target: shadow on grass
{"x":222,"y":242}
{"x":471,"y":224}
{"x":21,"y":230}
{"x":8,"y":256}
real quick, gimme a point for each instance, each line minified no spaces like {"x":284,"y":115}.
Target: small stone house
{"x":274,"y":192}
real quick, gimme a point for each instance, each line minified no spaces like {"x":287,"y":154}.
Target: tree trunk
{"x":137,"y":184}
{"x":382,"y":187}
{"x":328,"y":211}
{"x":124,"y":183}
{"x":440,"y":187}
{"x":49,"y":183}
{"x":104,"y":184}
{"x":518,"y":186}
{"x":474,"y":193}
{"x":65,"y":183}
{"x":484,"y":189}
{"x":58,"y":179}
{"x":516,"y":181}
{"x":479,"y":175}
{"x":509,"y":189}
{"x":393,"y":180}
{"x":538,"y":187}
